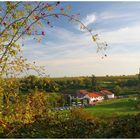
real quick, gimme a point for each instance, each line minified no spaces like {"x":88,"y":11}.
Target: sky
{"x":67,"y":51}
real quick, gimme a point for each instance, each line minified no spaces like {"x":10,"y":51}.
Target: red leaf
{"x":48,"y":5}
{"x":27,"y":29}
{"x":43,"y":33}
{"x":56,"y":16}
{"x":4,"y":23}
{"x":62,"y":9}
{"x":36,"y":17}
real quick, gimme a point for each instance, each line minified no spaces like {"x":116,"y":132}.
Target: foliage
{"x":117,"y":90}
{"x":30,"y":117}
{"x":70,"y":85}
{"x":24,"y":109}
{"x":131,"y":82}
{"x":137,"y":106}
{"x":49,"y":85}
{"x":74,"y":124}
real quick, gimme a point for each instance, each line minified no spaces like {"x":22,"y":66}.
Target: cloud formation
{"x":89,"y":19}
{"x":74,"y":54}
{"x":127,"y":35}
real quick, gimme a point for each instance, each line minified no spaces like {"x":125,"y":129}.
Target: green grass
{"x":113,"y":108}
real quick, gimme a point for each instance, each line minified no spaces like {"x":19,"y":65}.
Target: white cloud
{"x":89,"y":19}
{"x":103,"y":16}
{"x":124,"y":35}
{"x":70,"y":44}
{"x":74,"y":54}
{"x":107,"y":15}
{"x":65,"y":44}
{"x":112,"y":15}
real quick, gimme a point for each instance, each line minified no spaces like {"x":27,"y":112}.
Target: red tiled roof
{"x":94,"y":94}
{"x":106,"y":92}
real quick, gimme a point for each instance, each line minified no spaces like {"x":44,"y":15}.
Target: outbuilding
{"x":107,"y":94}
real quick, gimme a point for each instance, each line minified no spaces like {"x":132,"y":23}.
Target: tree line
{"x":70,"y":85}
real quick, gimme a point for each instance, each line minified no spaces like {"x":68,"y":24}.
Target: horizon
{"x":94,"y":75}
{"x":136,"y":74}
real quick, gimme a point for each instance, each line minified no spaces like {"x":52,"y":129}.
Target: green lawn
{"x":112,"y":108}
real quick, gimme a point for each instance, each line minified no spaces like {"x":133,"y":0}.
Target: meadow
{"x":114,"y":108}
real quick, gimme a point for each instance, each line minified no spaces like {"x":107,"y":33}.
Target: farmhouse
{"x":93,"y":97}
{"x":107,"y":94}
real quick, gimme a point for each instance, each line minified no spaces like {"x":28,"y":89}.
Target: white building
{"x":108,"y":94}
{"x":94,"y":96}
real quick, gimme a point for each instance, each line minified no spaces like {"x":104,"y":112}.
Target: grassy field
{"x":113,"y":108}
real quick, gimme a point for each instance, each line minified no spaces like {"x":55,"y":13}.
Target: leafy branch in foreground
{"x":26,"y":19}
{"x":21,"y":19}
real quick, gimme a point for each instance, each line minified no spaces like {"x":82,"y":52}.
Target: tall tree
{"x":117,"y":90}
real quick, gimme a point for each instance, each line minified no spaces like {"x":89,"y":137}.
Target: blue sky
{"x":67,"y":51}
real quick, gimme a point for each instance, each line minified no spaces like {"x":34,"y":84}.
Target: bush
{"x":75,"y":124}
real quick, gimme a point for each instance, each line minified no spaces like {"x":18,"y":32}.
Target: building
{"x":107,"y":94}
{"x":93,"y":97}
